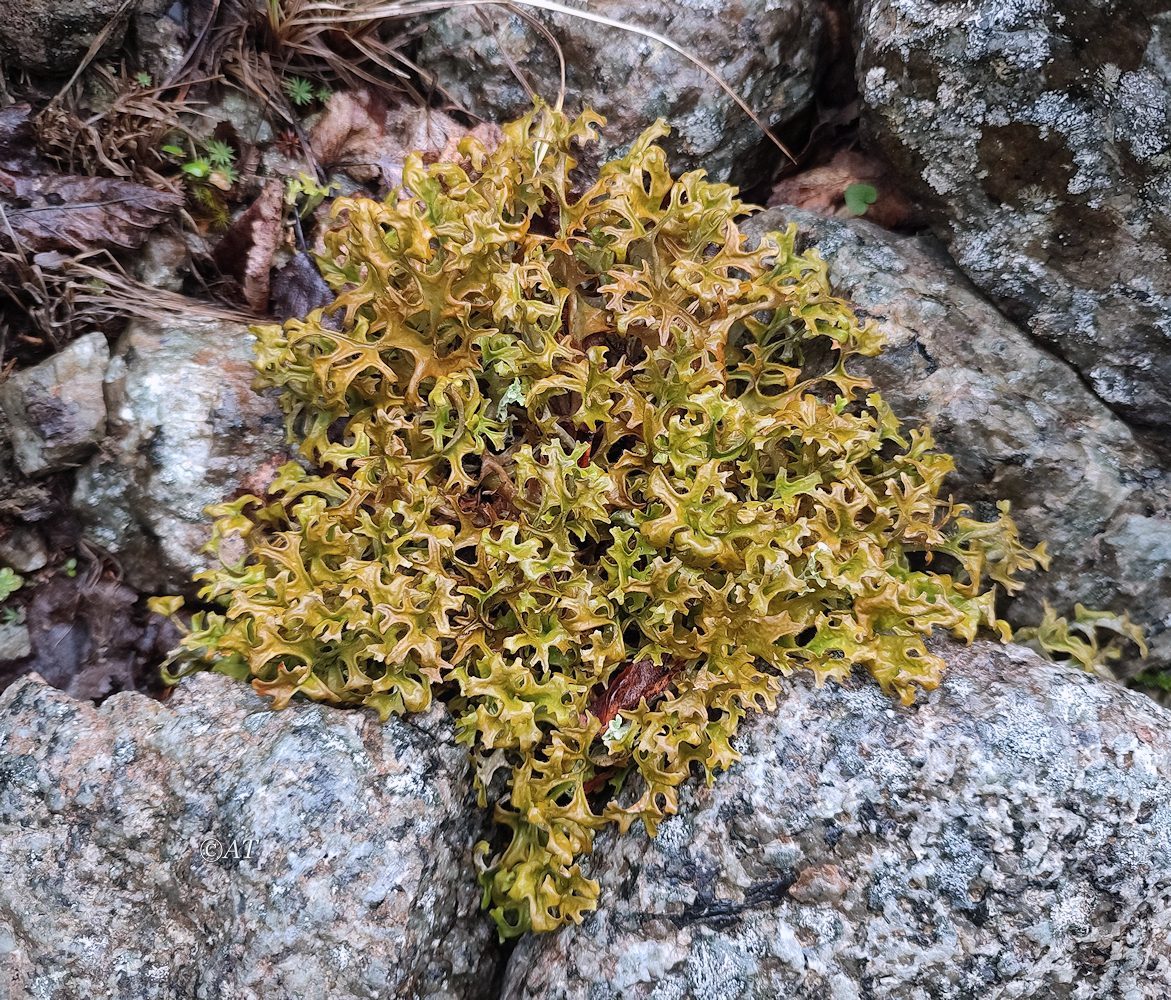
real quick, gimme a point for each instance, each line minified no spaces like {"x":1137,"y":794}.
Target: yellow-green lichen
{"x":598,"y":475}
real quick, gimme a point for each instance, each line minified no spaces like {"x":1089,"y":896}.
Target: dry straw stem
{"x":58,"y":294}
{"x":123,"y":139}
{"x":106,"y":287}
{"x":302,"y":29}
{"x":257,"y":44}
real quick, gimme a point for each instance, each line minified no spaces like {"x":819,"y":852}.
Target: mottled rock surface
{"x":15,"y":642}
{"x":768,"y":51}
{"x":209,"y":848}
{"x":1021,"y":425}
{"x":23,"y":549}
{"x":185,"y":430}
{"x":1010,"y":836}
{"x":51,"y":36}
{"x":55,"y":411}
{"x":1039,"y":134}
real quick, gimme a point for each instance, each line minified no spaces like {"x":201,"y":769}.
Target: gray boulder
{"x":768,"y":51}
{"x":185,"y":430}
{"x":1009,"y":836}
{"x":1021,"y":425}
{"x":209,"y":848}
{"x":55,"y":411}
{"x":1039,"y":136}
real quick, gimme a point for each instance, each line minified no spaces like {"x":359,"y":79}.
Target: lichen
{"x":597,"y":474}
{"x":1079,"y":641}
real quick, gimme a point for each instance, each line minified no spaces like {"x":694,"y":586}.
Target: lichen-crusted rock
{"x":55,"y":411}
{"x":1040,"y":136}
{"x":210,"y":848}
{"x":1009,"y":836}
{"x":1021,"y":425}
{"x":51,"y":36}
{"x":185,"y":430}
{"x":766,"y":50}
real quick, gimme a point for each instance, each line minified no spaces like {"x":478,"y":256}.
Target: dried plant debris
{"x":110,"y":123}
{"x":369,"y":138}
{"x":246,"y":251}
{"x":597,"y":474}
{"x":44,"y":210}
{"x":88,"y":634}
{"x":82,"y":213}
{"x":72,"y":620}
{"x":273,"y":49}
{"x":827,"y":190}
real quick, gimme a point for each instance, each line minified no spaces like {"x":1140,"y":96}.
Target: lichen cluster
{"x":596,"y":473}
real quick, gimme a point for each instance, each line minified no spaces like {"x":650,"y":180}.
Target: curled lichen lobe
{"x":593,"y":469}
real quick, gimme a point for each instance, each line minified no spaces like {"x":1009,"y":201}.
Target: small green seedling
{"x":304,"y":193}
{"x":300,"y":91}
{"x":215,"y":165}
{"x":859,"y":197}
{"x":219,"y":153}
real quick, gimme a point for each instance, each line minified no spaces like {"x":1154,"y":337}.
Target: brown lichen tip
{"x":557,"y":434}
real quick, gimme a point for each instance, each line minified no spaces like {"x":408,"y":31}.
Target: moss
{"x":596,"y":474}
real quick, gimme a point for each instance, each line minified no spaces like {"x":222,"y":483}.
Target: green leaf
{"x":1158,"y":679}
{"x":10,"y":582}
{"x":859,"y":197}
{"x":199,"y":168}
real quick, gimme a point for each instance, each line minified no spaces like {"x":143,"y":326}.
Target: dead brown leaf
{"x":59,"y":212}
{"x":367,"y":138}
{"x":17,"y":142}
{"x":822,"y":190}
{"x":45,"y":211}
{"x":246,"y":251}
{"x":90,"y":636}
{"x":639,"y":680}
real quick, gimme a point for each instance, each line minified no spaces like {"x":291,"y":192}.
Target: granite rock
{"x":55,"y":411}
{"x":768,"y":51}
{"x":1009,"y":836}
{"x":185,"y":430}
{"x":1038,"y":135}
{"x":1020,"y":422}
{"x":210,"y":848}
